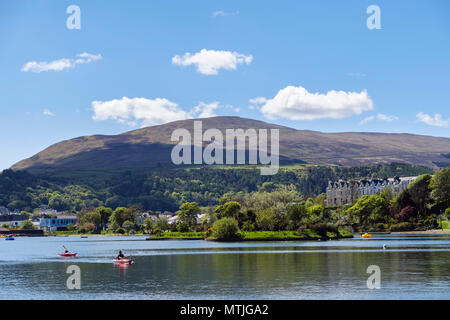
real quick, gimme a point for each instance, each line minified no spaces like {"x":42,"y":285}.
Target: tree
{"x":267,"y":187}
{"x":27,"y":225}
{"x":403,"y":200}
{"x":447,"y":213}
{"x":226,"y":229}
{"x":406,"y":214}
{"x":295,"y":215}
{"x":229,"y":209}
{"x":87,"y":227}
{"x":188,"y":213}
{"x":91,"y":217}
{"x":147,"y":226}
{"x":128,"y":225}
{"x":120,"y":215}
{"x":162,"y":224}
{"x":182,"y":226}
{"x":420,"y":192}
{"x":440,"y":184}
{"x":266,"y":220}
{"x":105,"y":213}
{"x":362,"y":209}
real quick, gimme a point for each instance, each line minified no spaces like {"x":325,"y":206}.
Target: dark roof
{"x":14,"y":217}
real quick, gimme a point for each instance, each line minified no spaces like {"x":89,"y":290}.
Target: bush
{"x":128,"y":225}
{"x":266,"y":220}
{"x":322,"y":229}
{"x":406,"y":226}
{"x":27,"y":225}
{"x":226,"y":229}
{"x":209,"y":232}
{"x":87,"y":227}
{"x":182,"y":227}
{"x":157,"y":231}
{"x":447,"y":213}
{"x":120,"y":230}
{"x":406,"y":213}
{"x":248,"y":226}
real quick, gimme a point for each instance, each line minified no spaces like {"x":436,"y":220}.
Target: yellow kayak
{"x":366,"y":235}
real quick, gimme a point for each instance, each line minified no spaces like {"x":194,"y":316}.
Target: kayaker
{"x":120,"y":256}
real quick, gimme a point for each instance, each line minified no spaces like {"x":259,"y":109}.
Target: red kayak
{"x":67,"y":254}
{"x":123,"y":261}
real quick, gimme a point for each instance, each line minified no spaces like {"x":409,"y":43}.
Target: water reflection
{"x":413,"y":267}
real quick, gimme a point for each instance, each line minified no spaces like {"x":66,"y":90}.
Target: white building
{"x":342,"y":192}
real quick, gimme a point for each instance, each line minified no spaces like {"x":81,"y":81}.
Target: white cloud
{"x":148,"y":112}
{"x":221,"y":13}
{"x":218,"y":13}
{"x":237,"y":110}
{"x":380,"y":116}
{"x":61,"y":64}
{"x":436,"y":121}
{"x":205,"y":110}
{"x":258,"y":100}
{"x":47,"y":112}
{"x":296,"y":103}
{"x":209,"y":62}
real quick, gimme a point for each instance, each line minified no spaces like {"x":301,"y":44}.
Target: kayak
{"x":366,"y":235}
{"x":123,"y":261}
{"x":10,"y":238}
{"x":67,"y":254}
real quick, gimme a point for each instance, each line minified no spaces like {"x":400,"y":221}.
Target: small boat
{"x":67,"y":254}
{"x":10,"y":238}
{"x":366,"y":235}
{"x":124,"y":261}
{"x":83,"y":237}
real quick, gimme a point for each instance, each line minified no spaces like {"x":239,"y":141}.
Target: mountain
{"x":151,"y":146}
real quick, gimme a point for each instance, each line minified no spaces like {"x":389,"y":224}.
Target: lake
{"x":412,"y":267}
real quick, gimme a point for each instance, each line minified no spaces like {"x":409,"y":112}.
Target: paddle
{"x":65,"y":248}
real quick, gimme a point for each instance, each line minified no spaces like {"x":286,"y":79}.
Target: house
{"x":342,"y":192}
{"x":4,"y":210}
{"x":59,"y":223}
{"x":13,"y":220}
{"x":174,"y":219}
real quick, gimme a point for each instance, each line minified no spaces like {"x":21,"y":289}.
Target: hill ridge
{"x":151,"y":146}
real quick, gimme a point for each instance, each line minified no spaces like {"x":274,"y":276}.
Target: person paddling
{"x":120,"y":256}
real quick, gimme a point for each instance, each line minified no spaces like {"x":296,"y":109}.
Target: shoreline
{"x":435,"y":231}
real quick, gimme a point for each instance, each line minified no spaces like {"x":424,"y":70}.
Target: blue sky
{"x":290,"y":54}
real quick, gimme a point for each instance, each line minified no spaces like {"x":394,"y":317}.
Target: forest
{"x":424,"y":205}
{"x":165,"y":189}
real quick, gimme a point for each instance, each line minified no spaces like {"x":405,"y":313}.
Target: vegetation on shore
{"x":165,"y":189}
{"x":282,"y":208}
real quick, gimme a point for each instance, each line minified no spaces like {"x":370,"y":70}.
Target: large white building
{"x":342,"y":192}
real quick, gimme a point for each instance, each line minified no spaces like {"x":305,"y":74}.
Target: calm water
{"x":412,"y":267}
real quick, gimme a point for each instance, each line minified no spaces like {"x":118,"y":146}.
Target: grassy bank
{"x":287,"y":236}
{"x":178,"y":236}
{"x":244,"y":235}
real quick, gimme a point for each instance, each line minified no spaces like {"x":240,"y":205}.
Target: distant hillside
{"x":151,"y":146}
